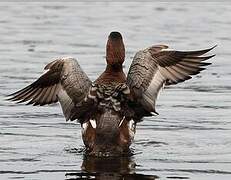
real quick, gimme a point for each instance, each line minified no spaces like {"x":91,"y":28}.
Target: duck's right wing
{"x":63,"y":81}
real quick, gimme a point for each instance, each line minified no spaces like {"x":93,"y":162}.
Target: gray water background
{"x":191,"y":138}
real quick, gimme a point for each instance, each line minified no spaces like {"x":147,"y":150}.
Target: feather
{"x":63,"y":80}
{"x":157,"y":66}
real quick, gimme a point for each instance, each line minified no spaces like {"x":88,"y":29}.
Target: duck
{"x":109,"y":108}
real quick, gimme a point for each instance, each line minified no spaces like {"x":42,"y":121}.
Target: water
{"x":190,"y":139}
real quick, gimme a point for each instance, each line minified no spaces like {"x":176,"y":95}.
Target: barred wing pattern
{"x":156,"y":66}
{"x":63,"y":81}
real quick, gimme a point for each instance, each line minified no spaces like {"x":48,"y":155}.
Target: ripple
{"x":37,"y":171}
{"x":208,"y":171}
{"x":19,"y":159}
{"x":31,"y":116}
{"x":32,"y":42}
{"x":26,"y":135}
{"x":202,"y":106}
{"x":191,"y":161}
{"x":84,"y":45}
{"x":215,"y":89}
{"x":160,"y":9}
{"x":80,"y":150}
{"x":60,"y":7}
{"x":177,"y":177}
{"x":179,"y":127}
{"x":83,"y":175}
{"x":17,"y":177}
{"x":150,"y":143}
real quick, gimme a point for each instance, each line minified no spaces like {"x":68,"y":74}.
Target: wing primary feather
{"x":44,"y":98}
{"x":195,"y":64}
{"x":57,"y":89}
{"x":41,"y":99}
{"x":37,"y":93}
{"x":20,"y":95}
{"x":199,"y":58}
{"x":49,"y":98}
{"x":205,"y":64}
{"x":35,"y":100}
{"x":178,"y":75}
{"x":196,"y":53}
{"x":19,"y":92}
{"x":187,"y":70}
{"x":191,"y":65}
{"x":28,"y":96}
{"x":180,"y":71}
{"x":170,"y":75}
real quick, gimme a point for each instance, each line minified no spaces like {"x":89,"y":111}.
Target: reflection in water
{"x":108,"y":168}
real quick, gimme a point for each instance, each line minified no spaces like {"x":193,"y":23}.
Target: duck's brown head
{"x":115,"y":52}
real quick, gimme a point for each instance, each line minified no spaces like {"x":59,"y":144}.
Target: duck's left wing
{"x":63,"y":81}
{"x":157,"y":66}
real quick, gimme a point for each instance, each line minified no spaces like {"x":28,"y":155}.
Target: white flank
{"x":84,"y":127}
{"x":121,"y":121}
{"x":131,"y":124}
{"x":93,"y":123}
{"x":132,"y":127}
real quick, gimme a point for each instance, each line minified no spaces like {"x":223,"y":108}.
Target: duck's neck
{"x":115,"y":73}
{"x":112,"y":73}
{"x":113,"y":68}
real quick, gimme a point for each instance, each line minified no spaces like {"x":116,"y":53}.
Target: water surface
{"x":190,"y":139}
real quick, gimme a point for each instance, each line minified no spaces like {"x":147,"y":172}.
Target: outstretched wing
{"x":157,"y":66}
{"x":63,"y":81}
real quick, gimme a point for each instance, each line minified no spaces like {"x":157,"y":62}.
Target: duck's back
{"x":107,"y":115}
